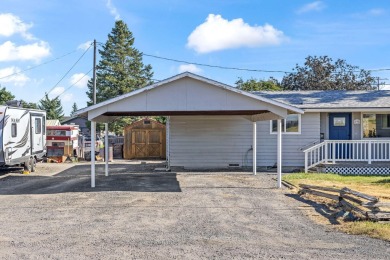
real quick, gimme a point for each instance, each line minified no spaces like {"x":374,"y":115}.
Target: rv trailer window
{"x":14,"y":131}
{"x":38,"y":126}
{"x":43,"y":125}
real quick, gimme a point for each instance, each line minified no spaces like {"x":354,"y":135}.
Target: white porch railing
{"x":347,"y":151}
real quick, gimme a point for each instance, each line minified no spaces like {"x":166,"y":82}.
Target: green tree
{"x":321,"y":73}
{"x":52,"y":107}
{"x":120,"y":70}
{"x":258,"y":85}
{"x":5,"y":95}
{"x":26,"y":104}
{"x":74,"y":109}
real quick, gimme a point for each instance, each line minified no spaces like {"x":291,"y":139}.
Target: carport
{"x":188,"y":94}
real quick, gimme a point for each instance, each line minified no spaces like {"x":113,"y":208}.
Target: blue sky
{"x":263,"y":35}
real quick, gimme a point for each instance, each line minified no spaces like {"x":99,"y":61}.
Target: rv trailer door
{"x":38,"y":133}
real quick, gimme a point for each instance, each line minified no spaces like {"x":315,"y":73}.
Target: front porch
{"x":350,"y":157}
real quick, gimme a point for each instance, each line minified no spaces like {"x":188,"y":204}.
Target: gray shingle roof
{"x":331,"y":98}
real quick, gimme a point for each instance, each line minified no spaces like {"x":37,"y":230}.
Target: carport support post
{"x":106,"y":148}
{"x":254,"y":146}
{"x":279,"y":153}
{"x":93,"y":145}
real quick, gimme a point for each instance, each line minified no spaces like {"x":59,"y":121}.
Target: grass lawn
{"x":372,"y":185}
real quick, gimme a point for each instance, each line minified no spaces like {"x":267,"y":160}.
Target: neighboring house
{"x":81,"y":122}
{"x":213,"y":125}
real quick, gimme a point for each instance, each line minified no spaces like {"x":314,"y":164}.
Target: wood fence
{"x":366,"y":206}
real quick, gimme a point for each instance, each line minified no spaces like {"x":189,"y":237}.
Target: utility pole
{"x":383,"y":83}
{"x":94,"y":71}
{"x":93,"y":123}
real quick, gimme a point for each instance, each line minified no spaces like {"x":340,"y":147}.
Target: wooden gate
{"x":144,"y":139}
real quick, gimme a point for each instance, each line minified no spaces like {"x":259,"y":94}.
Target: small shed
{"x":145,"y":138}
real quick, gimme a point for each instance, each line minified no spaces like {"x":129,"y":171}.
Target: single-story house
{"x":76,"y":120}
{"x":213,"y":125}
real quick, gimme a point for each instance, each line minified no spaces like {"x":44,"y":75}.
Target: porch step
{"x":382,"y":169}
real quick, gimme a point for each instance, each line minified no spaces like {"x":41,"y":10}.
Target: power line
{"x":39,"y":65}
{"x":70,"y":69}
{"x":235,"y":68}
{"x":85,"y":74}
{"x":215,"y":66}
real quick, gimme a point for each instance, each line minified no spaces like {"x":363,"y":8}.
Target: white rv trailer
{"x":22,"y":136}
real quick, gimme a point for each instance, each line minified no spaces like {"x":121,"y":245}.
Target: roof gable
{"x":187,"y":93}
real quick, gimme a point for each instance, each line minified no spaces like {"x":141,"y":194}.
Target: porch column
{"x":106,"y":148}
{"x":93,"y":143}
{"x":254,"y":146}
{"x":279,"y":153}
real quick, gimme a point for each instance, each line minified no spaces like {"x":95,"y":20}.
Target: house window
{"x":376,"y":125}
{"x":14,"y":130}
{"x":38,"y":126}
{"x":290,"y":125}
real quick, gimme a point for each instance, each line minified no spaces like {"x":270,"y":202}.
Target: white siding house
{"x":213,"y":125}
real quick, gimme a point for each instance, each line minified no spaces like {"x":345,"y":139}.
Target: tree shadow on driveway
{"x":77,"y":179}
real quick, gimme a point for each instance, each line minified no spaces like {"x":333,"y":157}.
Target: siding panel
{"x":217,"y":141}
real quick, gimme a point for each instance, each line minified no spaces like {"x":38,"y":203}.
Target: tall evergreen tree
{"x":120,"y":70}
{"x":52,"y":107}
{"x":74,"y":109}
{"x":5,"y":96}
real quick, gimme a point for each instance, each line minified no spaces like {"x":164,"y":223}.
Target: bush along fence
{"x":364,"y":206}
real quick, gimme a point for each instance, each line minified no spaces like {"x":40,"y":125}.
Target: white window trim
{"x":284,"y":130}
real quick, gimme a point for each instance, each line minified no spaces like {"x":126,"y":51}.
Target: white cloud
{"x":113,"y":11}
{"x":17,"y":78}
{"x":67,"y":97}
{"x":84,"y":46}
{"x":80,"y":80}
{"x":314,"y":6}
{"x":56,"y":92}
{"x":35,"y":51}
{"x":59,"y":91}
{"x":217,"y":33}
{"x":376,"y":12}
{"x":190,"y":68}
{"x":11,"y":24}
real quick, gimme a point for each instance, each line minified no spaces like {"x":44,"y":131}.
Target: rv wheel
{"x":33,"y":163}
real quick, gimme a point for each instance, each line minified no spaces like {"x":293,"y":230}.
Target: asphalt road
{"x":136,"y":213}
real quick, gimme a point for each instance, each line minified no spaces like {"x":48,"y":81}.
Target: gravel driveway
{"x":136,"y":213}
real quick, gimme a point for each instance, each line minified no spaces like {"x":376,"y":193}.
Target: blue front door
{"x":340,"y":126}
{"x":340,"y":129}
